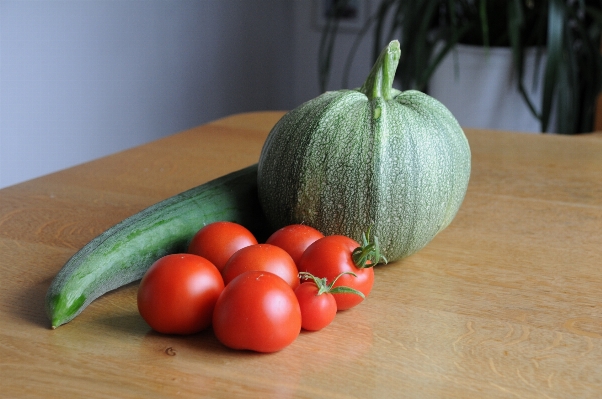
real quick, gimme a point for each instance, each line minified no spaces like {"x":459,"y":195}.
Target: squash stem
{"x":380,"y":80}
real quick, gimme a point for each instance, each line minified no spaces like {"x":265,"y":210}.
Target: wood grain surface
{"x":504,"y":303}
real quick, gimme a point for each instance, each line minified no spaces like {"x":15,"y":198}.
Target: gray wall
{"x":82,"y":79}
{"x":307,"y":43}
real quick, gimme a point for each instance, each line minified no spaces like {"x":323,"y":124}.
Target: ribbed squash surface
{"x":351,"y":159}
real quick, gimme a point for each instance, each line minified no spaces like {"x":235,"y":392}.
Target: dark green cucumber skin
{"x":124,"y":252}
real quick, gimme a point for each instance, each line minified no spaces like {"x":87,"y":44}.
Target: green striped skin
{"x":124,"y":252}
{"x":351,"y":159}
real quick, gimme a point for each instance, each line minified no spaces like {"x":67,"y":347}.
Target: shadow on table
{"x":28,"y":304}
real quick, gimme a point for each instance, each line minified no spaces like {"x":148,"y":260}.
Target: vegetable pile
{"x":375,"y":156}
{"x":257,"y":299}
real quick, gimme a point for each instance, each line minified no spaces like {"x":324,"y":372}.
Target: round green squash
{"x":375,"y":157}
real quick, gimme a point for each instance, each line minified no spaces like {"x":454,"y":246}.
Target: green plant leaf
{"x":484,"y":21}
{"x":516,"y":21}
{"x":428,"y":30}
{"x":555,"y":54}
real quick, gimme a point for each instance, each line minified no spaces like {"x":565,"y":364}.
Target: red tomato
{"x":257,"y":311}
{"x":262,"y":257}
{"x":178,"y":293}
{"x":330,"y":256}
{"x":217,"y":241}
{"x":317,"y":311}
{"x":295,"y":239}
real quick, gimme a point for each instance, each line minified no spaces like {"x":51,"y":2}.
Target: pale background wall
{"x":83,"y":79}
{"x":307,"y":42}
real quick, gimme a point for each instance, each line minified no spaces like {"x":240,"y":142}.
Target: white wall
{"x":82,"y":79}
{"x":307,"y":43}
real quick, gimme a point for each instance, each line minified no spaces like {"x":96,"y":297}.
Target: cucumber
{"x":124,"y":252}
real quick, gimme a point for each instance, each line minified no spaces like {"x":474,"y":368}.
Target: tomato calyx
{"x":368,"y":254}
{"x":324,"y":287}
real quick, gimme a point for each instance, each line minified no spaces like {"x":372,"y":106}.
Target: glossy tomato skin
{"x":178,"y":292}
{"x":262,"y":257}
{"x":295,"y":239}
{"x":217,"y":241}
{"x":257,"y":311}
{"x":317,"y":311}
{"x":330,"y":256}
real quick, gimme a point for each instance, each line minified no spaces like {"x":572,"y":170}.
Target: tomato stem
{"x":324,"y":287}
{"x":368,"y":254}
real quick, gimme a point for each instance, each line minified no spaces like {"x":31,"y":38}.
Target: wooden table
{"x":504,"y":303}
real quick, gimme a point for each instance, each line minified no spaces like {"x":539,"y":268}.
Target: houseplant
{"x":567,"y":31}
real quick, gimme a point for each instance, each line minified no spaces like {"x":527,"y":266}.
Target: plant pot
{"x":479,"y":86}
